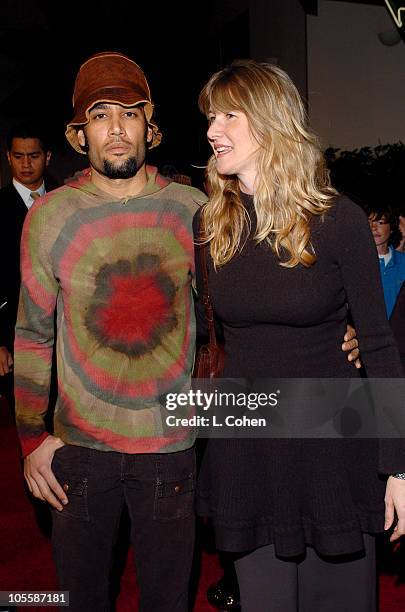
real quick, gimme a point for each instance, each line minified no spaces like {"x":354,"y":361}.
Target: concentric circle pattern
{"x":132,"y":310}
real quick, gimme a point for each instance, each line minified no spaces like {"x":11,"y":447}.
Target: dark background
{"x":43,"y":43}
{"x":178,"y":45}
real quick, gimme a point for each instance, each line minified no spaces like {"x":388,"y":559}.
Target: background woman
{"x":287,"y":256}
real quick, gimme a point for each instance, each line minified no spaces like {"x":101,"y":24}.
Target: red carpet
{"x":25,"y":554}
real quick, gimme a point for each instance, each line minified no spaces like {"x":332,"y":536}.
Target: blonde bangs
{"x":222,"y":96}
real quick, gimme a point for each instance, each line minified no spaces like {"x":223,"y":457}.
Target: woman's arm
{"x":356,"y":255}
{"x":358,"y":261}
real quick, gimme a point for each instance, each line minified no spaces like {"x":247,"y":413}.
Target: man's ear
{"x":81,"y":138}
{"x":149,"y":135}
{"x":8,"y":157}
{"x":48,"y":157}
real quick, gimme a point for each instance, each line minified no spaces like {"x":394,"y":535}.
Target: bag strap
{"x":206,"y":299}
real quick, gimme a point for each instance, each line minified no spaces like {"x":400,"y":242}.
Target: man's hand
{"x":6,"y":361}
{"x":350,"y":344}
{"x":39,"y":476}
{"x":395,"y":503}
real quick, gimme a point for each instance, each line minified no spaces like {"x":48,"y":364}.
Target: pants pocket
{"x":71,"y":466}
{"x":175,"y":486}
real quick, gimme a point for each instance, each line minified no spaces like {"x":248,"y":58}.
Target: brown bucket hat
{"x":109,"y":77}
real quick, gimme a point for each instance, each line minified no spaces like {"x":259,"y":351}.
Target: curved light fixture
{"x":397,"y":10}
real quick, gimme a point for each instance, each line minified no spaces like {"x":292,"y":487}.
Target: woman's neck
{"x":247,"y":183}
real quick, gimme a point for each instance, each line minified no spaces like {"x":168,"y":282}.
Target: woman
{"x":287,"y":255}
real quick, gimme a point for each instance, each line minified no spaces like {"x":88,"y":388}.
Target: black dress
{"x":281,"y":322}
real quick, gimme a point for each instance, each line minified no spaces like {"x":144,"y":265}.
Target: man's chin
{"x":120,"y":169}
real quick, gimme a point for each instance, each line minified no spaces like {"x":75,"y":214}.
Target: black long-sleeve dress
{"x":281,"y":322}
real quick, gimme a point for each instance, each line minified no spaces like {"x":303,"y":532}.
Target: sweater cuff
{"x":30,"y":444}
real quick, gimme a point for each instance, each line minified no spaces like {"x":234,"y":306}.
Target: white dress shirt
{"x":25,"y":192}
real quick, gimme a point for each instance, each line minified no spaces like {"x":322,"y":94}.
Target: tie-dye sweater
{"x":118,"y":274}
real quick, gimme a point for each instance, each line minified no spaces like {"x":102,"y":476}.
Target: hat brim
{"x":122,"y":97}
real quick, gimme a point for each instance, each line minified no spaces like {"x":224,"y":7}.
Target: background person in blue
{"x":384,"y":225}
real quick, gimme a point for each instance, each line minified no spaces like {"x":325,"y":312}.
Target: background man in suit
{"x":28,"y":155}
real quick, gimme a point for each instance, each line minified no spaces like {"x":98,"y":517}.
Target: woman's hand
{"x":395,"y":503}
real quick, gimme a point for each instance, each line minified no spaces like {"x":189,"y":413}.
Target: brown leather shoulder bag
{"x":209,"y":361}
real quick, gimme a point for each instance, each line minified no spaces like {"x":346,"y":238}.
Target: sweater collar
{"x":82,"y":181}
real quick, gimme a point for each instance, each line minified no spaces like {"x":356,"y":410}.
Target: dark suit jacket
{"x":12,"y":215}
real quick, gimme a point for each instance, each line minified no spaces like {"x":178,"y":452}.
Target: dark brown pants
{"x":158,"y":490}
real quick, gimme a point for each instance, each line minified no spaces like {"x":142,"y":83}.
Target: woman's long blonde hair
{"x":292,"y":182}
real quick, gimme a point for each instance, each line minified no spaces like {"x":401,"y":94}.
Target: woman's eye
{"x":211,"y":118}
{"x":229,"y":115}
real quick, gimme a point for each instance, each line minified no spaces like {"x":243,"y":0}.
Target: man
{"x":113,"y":251}
{"x":385,"y":229}
{"x":401,"y":245}
{"x":28,"y":155}
{"x":386,"y":233}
